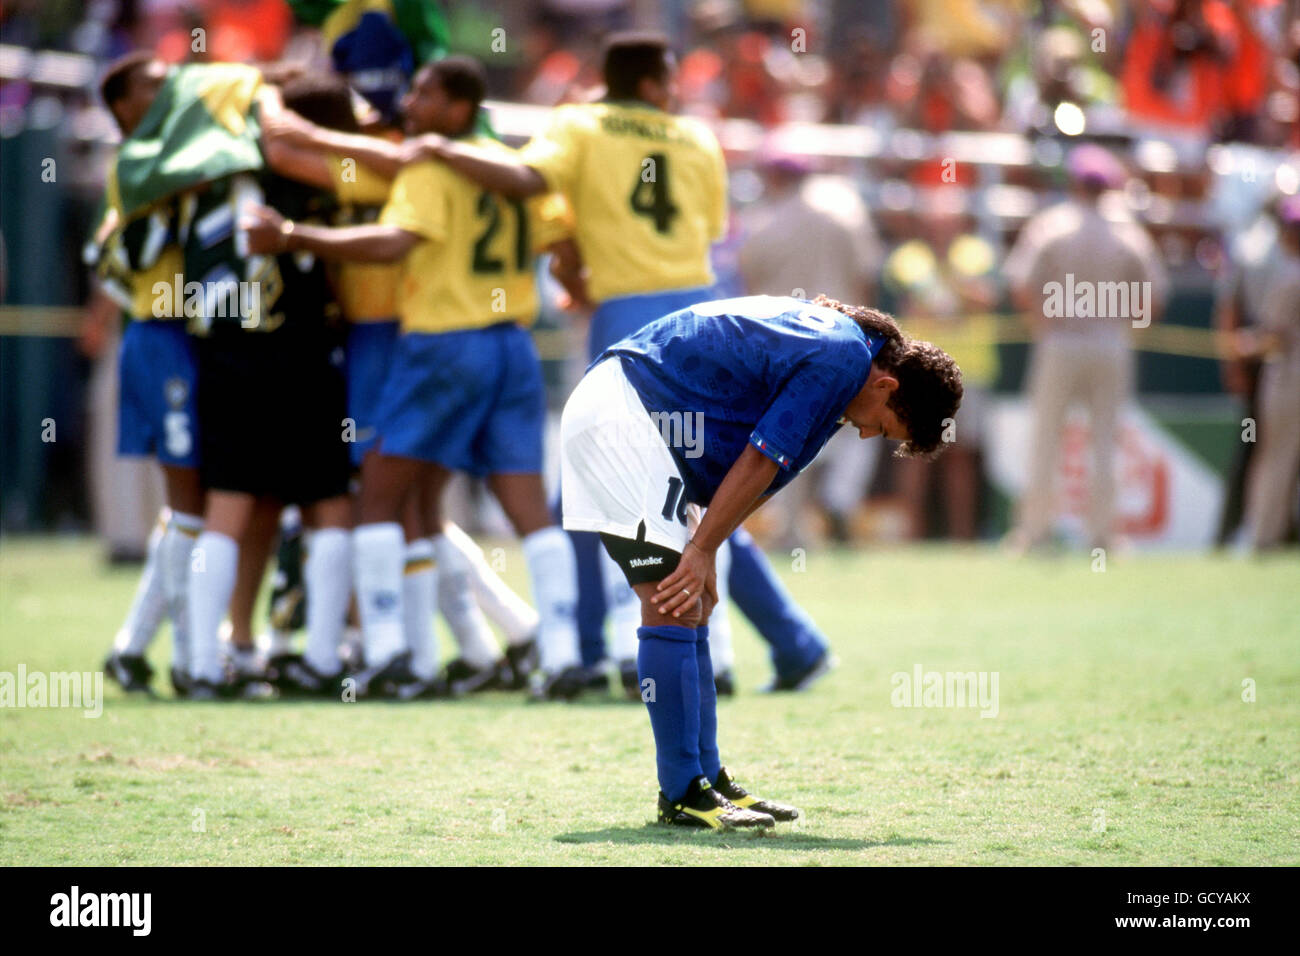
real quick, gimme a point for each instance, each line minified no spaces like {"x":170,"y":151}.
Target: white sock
{"x":419,"y":605}
{"x":212,"y":581}
{"x":351,"y":651}
{"x":377,"y":557}
{"x":280,"y":643}
{"x":328,"y":580}
{"x":719,"y":621}
{"x":506,"y":609}
{"x":623,"y":610}
{"x":554,"y":573}
{"x":478,"y":645}
{"x":246,"y":661}
{"x":149,"y":606}
{"x":177,"y":550}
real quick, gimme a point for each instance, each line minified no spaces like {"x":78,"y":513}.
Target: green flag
{"x":202,"y":126}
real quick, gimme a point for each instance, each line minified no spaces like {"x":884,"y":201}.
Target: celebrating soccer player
{"x":464,"y":391}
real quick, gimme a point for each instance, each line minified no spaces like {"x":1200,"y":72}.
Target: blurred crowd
{"x":1197,"y":102}
{"x":1213,"y":70}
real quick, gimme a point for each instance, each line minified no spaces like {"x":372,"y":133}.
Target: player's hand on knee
{"x":682,"y":589}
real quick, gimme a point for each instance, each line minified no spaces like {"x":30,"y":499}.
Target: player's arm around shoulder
{"x":269,"y":233}
{"x":499,"y":171}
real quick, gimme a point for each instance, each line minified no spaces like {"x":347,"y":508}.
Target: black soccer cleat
{"x":597,"y":677}
{"x":523,"y":662}
{"x":724,"y":684}
{"x":435,"y":688}
{"x":386,"y":681}
{"x":566,"y":685}
{"x":292,"y":676}
{"x":704,"y":806}
{"x":181,"y":682}
{"x":747,"y":801}
{"x":129,"y":672}
{"x":802,"y":680}
{"x":631,"y":681}
{"x":462,"y":677}
{"x":228,"y":690}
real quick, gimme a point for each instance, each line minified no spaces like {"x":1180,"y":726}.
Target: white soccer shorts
{"x":617,"y":476}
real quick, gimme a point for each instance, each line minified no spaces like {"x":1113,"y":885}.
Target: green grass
{"x":1120,"y":704}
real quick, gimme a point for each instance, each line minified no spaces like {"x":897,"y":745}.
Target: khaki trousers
{"x":1275,"y":466}
{"x":1098,"y":374}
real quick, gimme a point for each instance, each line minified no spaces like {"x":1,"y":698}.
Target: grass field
{"x":1122,"y":736}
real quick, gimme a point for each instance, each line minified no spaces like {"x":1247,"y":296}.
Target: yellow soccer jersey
{"x":155,"y":258}
{"x":648,"y":191}
{"x":475,"y":265}
{"x":366,"y":291}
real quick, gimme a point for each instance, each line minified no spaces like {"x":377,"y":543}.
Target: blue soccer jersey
{"x":773,"y":372}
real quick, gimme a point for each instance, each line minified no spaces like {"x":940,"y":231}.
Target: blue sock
{"x":710,"y":762}
{"x":591,"y":596}
{"x":795,"y":641}
{"x":667,"y":656}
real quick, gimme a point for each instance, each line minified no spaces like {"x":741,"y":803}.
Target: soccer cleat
{"x":181,"y":682}
{"x":227,"y":690}
{"x":246,"y":664}
{"x":523,"y":662}
{"x":385,"y":682}
{"x":597,"y":677}
{"x":566,"y":685}
{"x":724,"y":684}
{"x":631,"y":681}
{"x":747,"y":801}
{"x":436,"y":688}
{"x":129,"y":672}
{"x":462,"y":677}
{"x":704,"y":806}
{"x":294,"y":677}
{"x":802,"y":680}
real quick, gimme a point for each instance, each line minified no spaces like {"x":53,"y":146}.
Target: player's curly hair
{"x":929,"y":381}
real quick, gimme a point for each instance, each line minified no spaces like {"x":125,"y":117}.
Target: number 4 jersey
{"x":773,"y":372}
{"x":475,"y":265}
{"x":648,"y":191}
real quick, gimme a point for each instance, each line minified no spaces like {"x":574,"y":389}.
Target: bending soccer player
{"x":773,"y":378}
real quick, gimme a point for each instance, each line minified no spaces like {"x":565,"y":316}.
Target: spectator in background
{"x":1254,"y":256}
{"x":945,"y":276}
{"x":936,"y":94}
{"x":1068,"y":247}
{"x":1195,"y":65}
{"x":975,"y":28}
{"x":813,"y":235}
{"x":1271,"y":492}
{"x":1060,"y":69}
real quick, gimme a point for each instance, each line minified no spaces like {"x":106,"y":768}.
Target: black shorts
{"x":271,"y":410}
{"x":642,"y":562}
